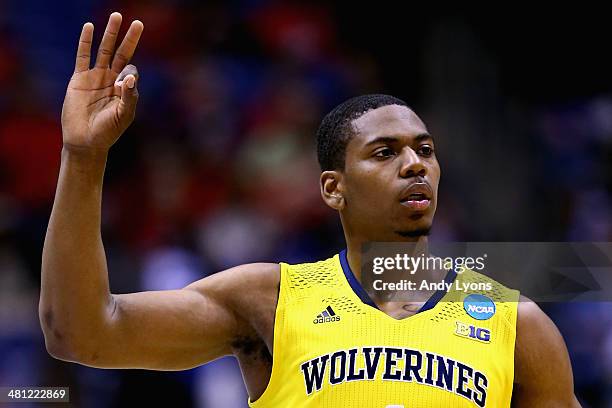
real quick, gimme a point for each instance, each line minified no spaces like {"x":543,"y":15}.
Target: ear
{"x":332,"y":189}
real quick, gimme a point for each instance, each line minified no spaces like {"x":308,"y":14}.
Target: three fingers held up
{"x":107,"y":56}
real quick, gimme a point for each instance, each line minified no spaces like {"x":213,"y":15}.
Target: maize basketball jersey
{"x":334,"y":348}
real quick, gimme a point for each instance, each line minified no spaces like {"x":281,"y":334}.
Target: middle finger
{"x":107,"y":45}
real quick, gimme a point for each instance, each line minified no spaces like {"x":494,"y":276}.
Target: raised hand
{"x":100,"y":102}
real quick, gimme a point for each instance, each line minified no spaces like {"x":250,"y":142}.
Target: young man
{"x":381,"y":174}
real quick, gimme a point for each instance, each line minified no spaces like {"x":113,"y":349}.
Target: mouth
{"x":417,"y":197}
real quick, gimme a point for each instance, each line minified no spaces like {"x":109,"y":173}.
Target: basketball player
{"x":304,"y":335}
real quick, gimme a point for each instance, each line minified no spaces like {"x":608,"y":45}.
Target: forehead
{"x":390,"y":120}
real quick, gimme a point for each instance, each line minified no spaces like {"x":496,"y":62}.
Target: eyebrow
{"x":393,"y":139}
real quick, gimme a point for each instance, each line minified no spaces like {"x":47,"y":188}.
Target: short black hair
{"x":335,"y":130}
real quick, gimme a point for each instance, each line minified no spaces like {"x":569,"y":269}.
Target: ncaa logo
{"x":479,"y":307}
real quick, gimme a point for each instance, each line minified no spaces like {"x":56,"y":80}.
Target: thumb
{"x":129,"y":98}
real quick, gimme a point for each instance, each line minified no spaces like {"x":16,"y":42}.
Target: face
{"x":388,"y":188}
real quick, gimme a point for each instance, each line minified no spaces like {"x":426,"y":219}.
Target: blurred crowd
{"x":219,"y":167}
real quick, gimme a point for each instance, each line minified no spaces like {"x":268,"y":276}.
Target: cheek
{"x":434,"y":176}
{"x":366,"y":187}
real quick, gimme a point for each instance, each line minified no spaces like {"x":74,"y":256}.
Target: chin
{"x":415,"y":233}
{"x":414,"y":229}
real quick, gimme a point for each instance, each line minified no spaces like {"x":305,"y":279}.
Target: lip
{"x":420,"y":203}
{"x":416,"y":188}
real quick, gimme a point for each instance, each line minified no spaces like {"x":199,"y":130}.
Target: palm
{"x":91,"y":108}
{"x":97,"y":110}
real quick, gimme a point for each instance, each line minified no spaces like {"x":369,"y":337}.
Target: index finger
{"x":83,"y":56}
{"x":124,"y":53}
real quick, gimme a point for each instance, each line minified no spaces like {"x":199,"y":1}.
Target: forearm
{"x":75,"y":298}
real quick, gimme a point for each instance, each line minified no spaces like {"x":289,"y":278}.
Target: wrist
{"x":86,"y":152}
{"x":84,"y":161}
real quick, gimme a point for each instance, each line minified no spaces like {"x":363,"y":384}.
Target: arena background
{"x":219,"y":167}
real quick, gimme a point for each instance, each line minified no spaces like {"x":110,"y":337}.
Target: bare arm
{"x":177,"y":329}
{"x":74,"y":281}
{"x":543,"y":373}
{"x":81,"y":320}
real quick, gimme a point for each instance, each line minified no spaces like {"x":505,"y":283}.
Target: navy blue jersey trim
{"x":352,"y":280}
{"x":365,"y":298}
{"x":436,"y":297}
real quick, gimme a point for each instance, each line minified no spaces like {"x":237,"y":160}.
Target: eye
{"x":426,"y":150}
{"x":385,"y":152}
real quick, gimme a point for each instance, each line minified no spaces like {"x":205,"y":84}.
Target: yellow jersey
{"x":334,"y":348}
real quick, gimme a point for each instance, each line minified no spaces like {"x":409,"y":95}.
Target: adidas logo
{"x":326,"y":316}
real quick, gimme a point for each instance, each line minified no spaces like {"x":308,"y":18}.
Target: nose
{"x":412,"y":165}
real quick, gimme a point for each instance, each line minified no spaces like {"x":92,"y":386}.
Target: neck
{"x":354,"y":245}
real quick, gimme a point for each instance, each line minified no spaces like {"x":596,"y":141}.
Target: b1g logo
{"x":479,"y":307}
{"x":473,"y":332}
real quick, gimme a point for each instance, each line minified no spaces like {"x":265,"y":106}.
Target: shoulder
{"x":538,"y":341}
{"x":247,"y":292}
{"x":535,"y":331}
{"x":239,"y":281}
{"x":531,"y":320}
{"x":540,"y":346}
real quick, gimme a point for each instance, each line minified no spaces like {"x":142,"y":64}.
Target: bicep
{"x":543,"y":372}
{"x":166,"y":330}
